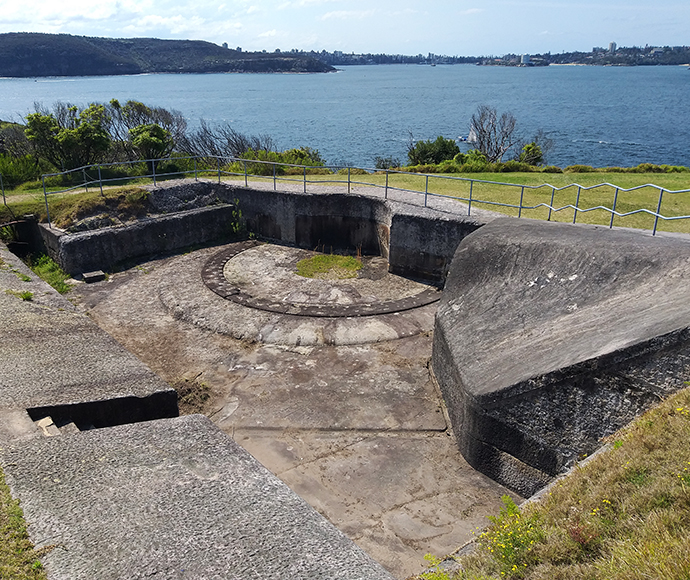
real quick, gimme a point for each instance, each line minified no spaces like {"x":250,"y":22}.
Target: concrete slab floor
{"x":357,"y":430}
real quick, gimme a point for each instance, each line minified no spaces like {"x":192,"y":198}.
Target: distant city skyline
{"x":449,"y":27}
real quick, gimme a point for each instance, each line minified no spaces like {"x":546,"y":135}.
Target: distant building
{"x":524,"y":59}
{"x":612,"y":47}
{"x":225,"y":45}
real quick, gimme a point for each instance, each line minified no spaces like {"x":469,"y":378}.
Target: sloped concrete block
{"x":549,"y":337}
{"x":174,"y":498}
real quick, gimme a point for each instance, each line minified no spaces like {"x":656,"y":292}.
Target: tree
{"x":535,"y":151}
{"x":431,"y":152}
{"x":69,"y":138}
{"x":124,"y":118}
{"x":531,"y":154}
{"x":151,"y":141}
{"x":224,"y":141}
{"x":492,"y":135}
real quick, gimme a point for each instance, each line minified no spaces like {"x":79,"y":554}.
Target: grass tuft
{"x":18,"y":559}
{"x":329,"y":266}
{"x":49,"y":271}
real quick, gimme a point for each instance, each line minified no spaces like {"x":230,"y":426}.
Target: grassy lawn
{"x":625,"y":515}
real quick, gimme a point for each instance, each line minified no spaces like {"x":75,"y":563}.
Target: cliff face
{"x":37,"y":55}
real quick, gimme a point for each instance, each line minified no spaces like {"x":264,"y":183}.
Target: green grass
{"x":623,"y":516}
{"x":24,"y":295}
{"x":46,"y":269}
{"x":329,"y":266}
{"x":18,"y":559}
{"x":536,"y":193}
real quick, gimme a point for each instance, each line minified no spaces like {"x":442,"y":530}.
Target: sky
{"x":450,"y":27}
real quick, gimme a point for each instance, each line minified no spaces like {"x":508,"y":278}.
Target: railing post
{"x":246,"y":179}
{"x":100,"y":180}
{"x":274,"y":177}
{"x":658,"y":209}
{"x":218,"y":168}
{"x":304,"y":176}
{"x":196,"y":176}
{"x":577,"y":203}
{"x":153,"y":169}
{"x":522,"y":196}
{"x":2,"y":185}
{"x":613,"y":211}
{"x":469,"y":205}
{"x":426,"y":190}
{"x":553,"y":194}
{"x":86,"y":184}
{"x":45,"y":196}
{"x":386,"y":192}
{"x":348,"y":180}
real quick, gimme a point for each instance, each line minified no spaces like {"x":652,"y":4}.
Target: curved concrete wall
{"x":417,"y":241}
{"x":550,"y":336}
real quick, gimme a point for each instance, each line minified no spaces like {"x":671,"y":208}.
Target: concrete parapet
{"x":173,"y":498}
{"x":418,"y":242}
{"x":104,"y":248}
{"x":549,"y":337}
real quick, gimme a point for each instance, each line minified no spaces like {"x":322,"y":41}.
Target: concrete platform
{"x":549,"y":337}
{"x":170,"y":499}
{"x":190,"y":299}
{"x":356,"y":429}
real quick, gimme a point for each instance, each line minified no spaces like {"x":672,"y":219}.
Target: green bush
{"x":649,"y":168}
{"x":551,"y":169}
{"x":432,"y":152}
{"x":448,"y":166}
{"x":579,"y":169}
{"x":16,"y":170}
{"x":513,"y":166}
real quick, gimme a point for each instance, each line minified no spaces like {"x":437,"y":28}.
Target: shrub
{"x":513,"y":166}
{"x":386,"y":162}
{"x":648,"y":168}
{"x":579,"y":169}
{"x":448,"y":166}
{"x":16,"y":170}
{"x":428,"y":152}
{"x":551,"y":169}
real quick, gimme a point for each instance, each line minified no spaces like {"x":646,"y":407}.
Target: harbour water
{"x":601,"y":116}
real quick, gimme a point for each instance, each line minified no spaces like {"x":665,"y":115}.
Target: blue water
{"x":601,"y":116}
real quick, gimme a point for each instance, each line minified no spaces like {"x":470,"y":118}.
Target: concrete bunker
{"x":417,"y":242}
{"x":549,"y":337}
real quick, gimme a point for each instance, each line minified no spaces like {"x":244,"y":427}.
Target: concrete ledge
{"x":549,"y":337}
{"x":55,"y":362}
{"x":171,"y":499}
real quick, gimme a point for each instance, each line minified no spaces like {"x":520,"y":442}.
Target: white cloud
{"x":348,"y":15}
{"x":268,"y":34}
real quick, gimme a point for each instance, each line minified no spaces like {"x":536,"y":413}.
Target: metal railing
{"x":246,"y":169}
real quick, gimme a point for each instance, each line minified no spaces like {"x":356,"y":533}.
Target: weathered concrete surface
{"x":191,"y":300}
{"x":357,"y":429}
{"x":173,"y":498}
{"x":55,"y":361}
{"x":549,"y":337}
{"x":102,"y":249}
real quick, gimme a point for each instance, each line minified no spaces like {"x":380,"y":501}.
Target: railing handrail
{"x":227,"y":160}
